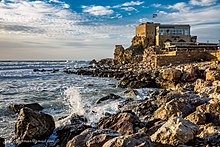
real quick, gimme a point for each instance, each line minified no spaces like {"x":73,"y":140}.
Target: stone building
{"x":156,"y":34}
{"x":165,"y":44}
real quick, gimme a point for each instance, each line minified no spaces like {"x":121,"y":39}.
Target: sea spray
{"x":72,"y":96}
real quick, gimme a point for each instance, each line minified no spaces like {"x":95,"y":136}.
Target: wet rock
{"x":123,"y":122}
{"x":131,"y":93}
{"x":212,"y":75}
{"x":173,"y":107}
{"x":108,"y":97}
{"x":171,"y":74}
{"x":92,"y":138}
{"x":2,"y":142}
{"x":210,"y":134}
{"x":76,"y":125}
{"x":134,"y":140}
{"x":33,"y":125}
{"x":175,"y":131}
{"x":197,"y":118}
{"x":17,"y":107}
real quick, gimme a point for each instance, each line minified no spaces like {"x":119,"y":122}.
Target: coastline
{"x":186,"y":105}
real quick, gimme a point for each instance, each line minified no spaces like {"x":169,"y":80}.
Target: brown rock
{"x":133,"y":140}
{"x":92,"y":138}
{"x":175,"y":131}
{"x":131,"y":93}
{"x":210,"y":134}
{"x":33,"y":125}
{"x":171,"y":74}
{"x":176,"y":107}
{"x":124,"y":122}
{"x":190,"y":76}
{"x":197,"y":118}
{"x":212,"y":75}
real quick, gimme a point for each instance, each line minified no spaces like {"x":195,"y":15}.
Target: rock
{"x":210,"y":134}
{"x":34,"y":106}
{"x":175,"y":131}
{"x":93,"y":62}
{"x":123,"y":122}
{"x":118,"y":54}
{"x":177,"y":107}
{"x":92,"y":138}
{"x":197,"y":118}
{"x":212,"y":75}
{"x":171,"y":74}
{"x":212,"y":112}
{"x":131,"y":93}
{"x":2,"y":142}
{"x":105,"y":62}
{"x":134,"y":140}
{"x":33,"y":125}
{"x":67,"y":131}
{"x":193,"y":74}
{"x":110,"y":96}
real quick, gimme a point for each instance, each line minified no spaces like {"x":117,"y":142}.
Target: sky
{"x":89,"y":29}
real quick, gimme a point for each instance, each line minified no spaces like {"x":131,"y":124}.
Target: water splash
{"x":73,"y":97}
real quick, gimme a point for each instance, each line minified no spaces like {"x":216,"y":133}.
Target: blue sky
{"x":87,"y":29}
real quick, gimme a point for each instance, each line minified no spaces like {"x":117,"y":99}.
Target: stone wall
{"x":180,"y":57}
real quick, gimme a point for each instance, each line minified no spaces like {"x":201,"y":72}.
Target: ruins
{"x":165,"y":44}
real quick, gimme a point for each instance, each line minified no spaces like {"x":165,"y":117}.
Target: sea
{"x":59,"y":93}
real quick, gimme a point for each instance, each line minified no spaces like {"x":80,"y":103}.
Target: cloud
{"x":132,"y":3}
{"x":129,"y":9}
{"x":203,"y":2}
{"x":181,"y":6}
{"x":97,"y":10}
{"x":156,"y":5}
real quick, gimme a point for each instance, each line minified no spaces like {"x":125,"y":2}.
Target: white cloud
{"x":129,"y":9}
{"x":143,"y":20}
{"x":156,"y":5}
{"x":133,"y":3}
{"x":203,"y":2}
{"x":181,"y":6}
{"x":97,"y":10}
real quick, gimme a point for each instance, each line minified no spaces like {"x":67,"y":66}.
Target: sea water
{"x":59,"y":93}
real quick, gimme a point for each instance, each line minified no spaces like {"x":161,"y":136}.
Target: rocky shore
{"x":183,"y":111}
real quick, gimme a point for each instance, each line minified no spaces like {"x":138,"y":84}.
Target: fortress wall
{"x":185,"y":57}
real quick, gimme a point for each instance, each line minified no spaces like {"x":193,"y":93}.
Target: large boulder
{"x":171,"y":74}
{"x":134,"y":140}
{"x":173,"y":107}
{"x":70,"y":127}
{"x":176,"y":131}
{"x":32,"y":125}
{"x":193,"y":74}
{"x":92,"y":138}
{"x":17,"y":107}
{"x":118,"y":54}
{"x":123,"y":122}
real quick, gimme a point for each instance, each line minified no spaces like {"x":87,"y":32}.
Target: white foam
{"x":74,"y":100}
